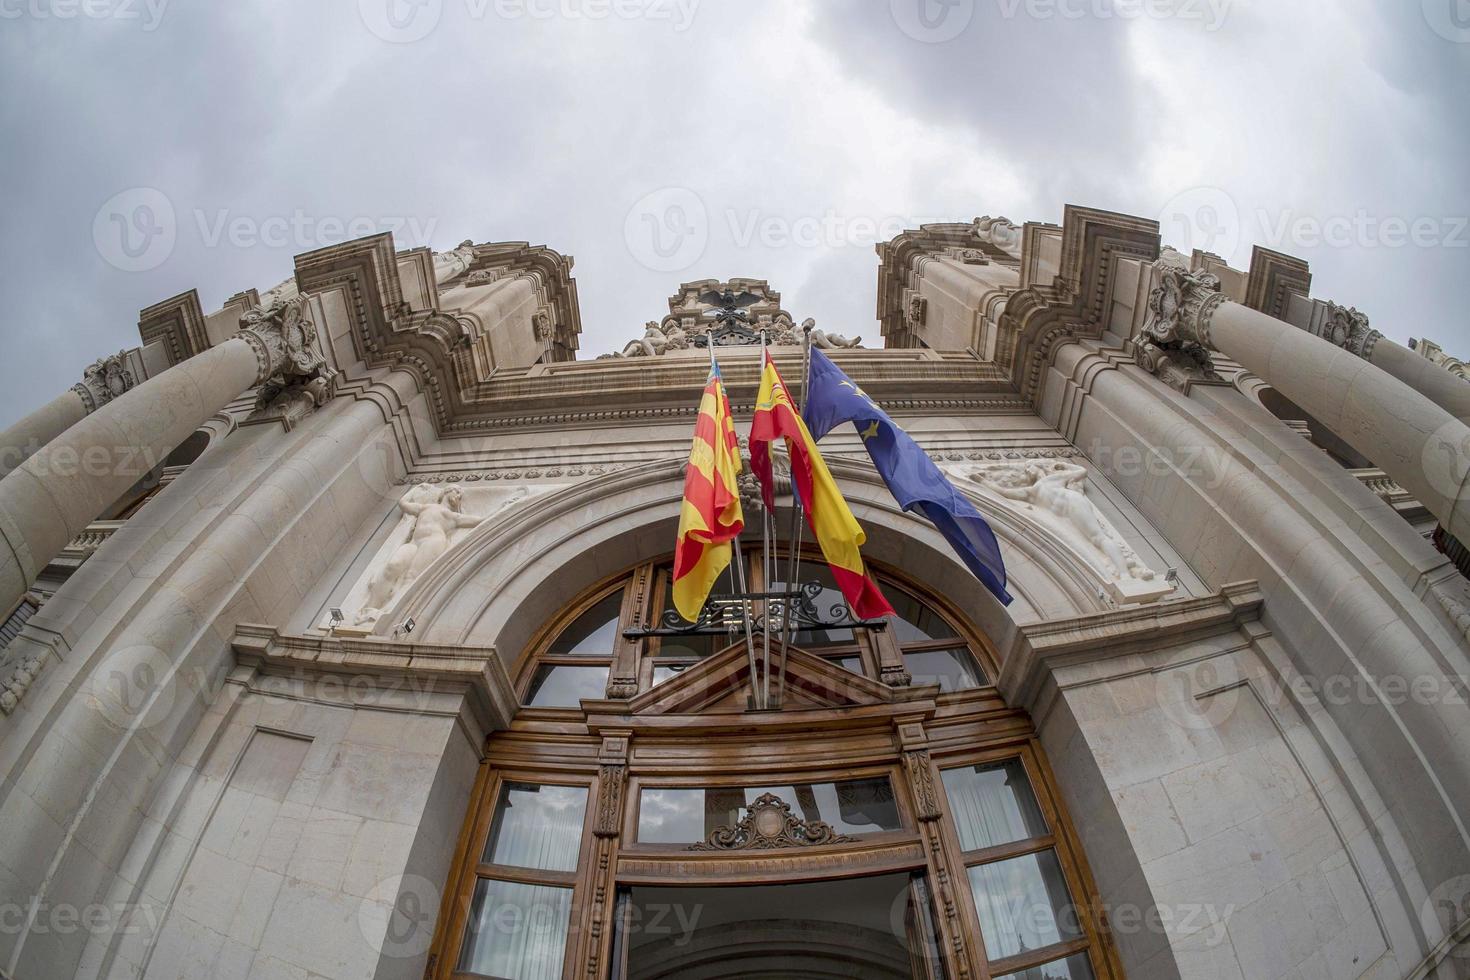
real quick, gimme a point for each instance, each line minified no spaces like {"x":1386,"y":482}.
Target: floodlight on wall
{"x":1172,"y":576}
{"x":337,"y":617}
{"x":404,"y":628}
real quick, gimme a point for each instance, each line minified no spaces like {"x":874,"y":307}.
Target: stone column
{"x":58,"y":491}
{"x":1349,"y":329}
{"x":1424,"y":448}
{"x":100,"y":384}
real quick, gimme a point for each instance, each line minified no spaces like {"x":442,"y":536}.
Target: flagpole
{"x":793,"y":565}
{"x":739,"y":556}
{"x":766,"y":568}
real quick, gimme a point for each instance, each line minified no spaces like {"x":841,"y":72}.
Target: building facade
{"x":338,"y":644}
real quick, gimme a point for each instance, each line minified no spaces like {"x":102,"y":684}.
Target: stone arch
{"x":505,"y":579}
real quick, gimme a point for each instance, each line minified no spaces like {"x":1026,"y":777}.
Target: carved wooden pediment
{"x":721,"y":684}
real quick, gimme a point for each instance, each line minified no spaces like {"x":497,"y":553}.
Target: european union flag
{"x":913,"y":479}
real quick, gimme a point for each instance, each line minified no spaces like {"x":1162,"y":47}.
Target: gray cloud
{"x":790,"y":136}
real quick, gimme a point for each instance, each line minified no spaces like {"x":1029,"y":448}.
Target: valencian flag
{"x":711,"y":517}
{"x":913,"y":479}
{"x":836,"y":530}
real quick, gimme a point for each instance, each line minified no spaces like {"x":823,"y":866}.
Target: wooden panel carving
{"x":769,"y":824}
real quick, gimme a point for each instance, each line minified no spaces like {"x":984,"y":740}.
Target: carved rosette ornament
{"x":290,"y":369}
{"x":1348,"y":328}
{"x":769,"y":824}
{"x":104,"y":381}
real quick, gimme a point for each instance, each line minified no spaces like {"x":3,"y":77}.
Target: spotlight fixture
{"x":337,"y":617}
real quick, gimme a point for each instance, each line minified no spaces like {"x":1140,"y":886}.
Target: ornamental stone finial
{"x":104,"y":381}
{"x":1348,"y":328}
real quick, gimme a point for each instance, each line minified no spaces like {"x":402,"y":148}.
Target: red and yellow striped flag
{"x":711,"y":517}
{"x":837,"y":531}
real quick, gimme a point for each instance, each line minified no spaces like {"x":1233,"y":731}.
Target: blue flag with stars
{"x":912,"y":477}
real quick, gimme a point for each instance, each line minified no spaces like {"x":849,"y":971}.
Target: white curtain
{"x":993,"y":805}
{"x":538,"y":827}
{"x":517,"y":931}
{"x":1022,"y":904}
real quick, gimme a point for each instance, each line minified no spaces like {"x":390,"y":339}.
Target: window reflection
{"x":592,"y":634}
{"x":684,"y":816}
{"x":566,"y":687}
{"x":952,"y":670}
{"x":916,"y":621}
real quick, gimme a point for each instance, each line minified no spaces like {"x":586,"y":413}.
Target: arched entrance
{"x":893,"y":818}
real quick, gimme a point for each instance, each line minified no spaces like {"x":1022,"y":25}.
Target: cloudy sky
{"x":151,"y":146}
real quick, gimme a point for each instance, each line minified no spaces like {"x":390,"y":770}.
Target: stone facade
{"x":254,"y":669}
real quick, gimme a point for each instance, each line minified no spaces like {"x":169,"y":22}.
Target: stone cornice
{"x":1037,"y":651}
{"x":1042,"y":316}
{"x":552,"y":273}
{"x":1274,"y":276}
{"x":178,"y":322}
{"x":475,"y":673}
{"x":898,"y":262}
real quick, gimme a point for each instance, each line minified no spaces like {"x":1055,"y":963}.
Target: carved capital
{"x":290,"y":368}
{"x":104,"y":381}
{"x":1348,"y":328}
{"x":1181,"y":308}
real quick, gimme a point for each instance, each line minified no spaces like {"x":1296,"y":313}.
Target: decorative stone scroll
{"x":104,"y":381}
{"x":769,"y":824}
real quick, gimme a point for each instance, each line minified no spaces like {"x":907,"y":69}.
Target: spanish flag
{"x":711,"y":517}
{"x":837,"y":531}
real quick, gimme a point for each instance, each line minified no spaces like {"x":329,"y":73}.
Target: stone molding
{"x":1274,"y":277}
{"x":104,"y":381}
{"x":476,"y":673}
{"x":178,"y":323}
{"x":1036,"y":651}
{"x":1041,"y":317}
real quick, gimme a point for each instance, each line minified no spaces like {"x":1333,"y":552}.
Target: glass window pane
{"x":1023,"y":904}
{"x":594,"y":633}
{"x":830,"y":598}
{"x":993,"y":804}
{"x":516,"y":931}
{"x":537,"y":827}
{"x":684,"y":816}
{"x":853,"y":663}
{"x":952,"y":670}
{"x":695,"y":646}
{"x":916,"y":621}
{"x":1074,"y":967}
{"x":565,"y":687}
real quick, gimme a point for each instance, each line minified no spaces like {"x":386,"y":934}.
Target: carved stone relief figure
{"x":435,"y":514}
{"x":1058,"y":489}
